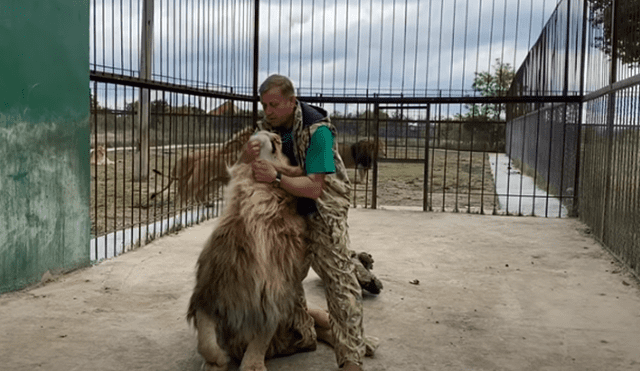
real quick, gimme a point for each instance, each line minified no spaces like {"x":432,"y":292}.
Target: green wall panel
{"x":44,"y":139}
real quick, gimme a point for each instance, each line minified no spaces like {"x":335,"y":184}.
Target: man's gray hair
{"x":283,"y":82}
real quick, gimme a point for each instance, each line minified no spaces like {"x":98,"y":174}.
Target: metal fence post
{"x":611,"y":111}
{"x":427,"y":137}
{"x":376,"y":136}
{"x":583,"y":58}
{"x":146,"y":59}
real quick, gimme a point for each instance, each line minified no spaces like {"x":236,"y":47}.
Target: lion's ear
{"x":276,"y":142}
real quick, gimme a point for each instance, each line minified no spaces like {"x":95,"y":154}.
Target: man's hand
{"x":264,"y":171}
{"x":250,"y":152}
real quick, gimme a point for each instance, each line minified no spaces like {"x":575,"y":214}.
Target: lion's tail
{"x":171,"y":179}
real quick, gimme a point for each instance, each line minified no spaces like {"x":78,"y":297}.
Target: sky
{"x":329,"y":47}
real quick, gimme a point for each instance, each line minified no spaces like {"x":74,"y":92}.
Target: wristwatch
{"x":278,"y":179}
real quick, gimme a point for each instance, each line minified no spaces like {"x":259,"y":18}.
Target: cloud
{"x":398,"y":46}
{"x":326,"y":46}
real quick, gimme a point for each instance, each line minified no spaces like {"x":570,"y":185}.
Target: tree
{"x":627,"y":28}
{"x":160,"y":106}
{"x":491,"y":85}
{"x":482,"y":119}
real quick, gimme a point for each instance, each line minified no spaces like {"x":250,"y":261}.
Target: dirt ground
{"x":457,"y":180}
{"x":461,"y":292}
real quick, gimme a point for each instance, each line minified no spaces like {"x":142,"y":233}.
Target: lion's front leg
{"x":361,"y":175}
{"x":215,"y":359}
{"x":253,"y":359}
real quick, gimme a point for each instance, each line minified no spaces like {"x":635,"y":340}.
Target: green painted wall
{"x":44,"y":139}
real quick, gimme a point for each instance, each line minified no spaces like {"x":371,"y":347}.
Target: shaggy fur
{"x":99,"y":156}
{"x":360,"y":155}
{"x":247,"y":271}
{"x":198,"y":173}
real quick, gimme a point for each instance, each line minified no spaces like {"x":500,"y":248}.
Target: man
{"x":319,"y":178}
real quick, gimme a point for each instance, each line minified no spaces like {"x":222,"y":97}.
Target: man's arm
{"x":290,"y":171}
{"x":309,"y":186}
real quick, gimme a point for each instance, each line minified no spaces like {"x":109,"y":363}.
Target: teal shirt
{"x":319,"y":153}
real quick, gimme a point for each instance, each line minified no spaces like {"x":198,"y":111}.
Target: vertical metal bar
{"x":256,"y":58}
{"x":313,"y":28}
{"x":290,"y":42}
{"x":393,"y":32}
{"x":124,"y":166}
{"x":381,"y":48}
{"x":370,"y":48}
{"x":115,"y":173}
{"x":444,"y":167}
{"x":583,"y":53}
{"x":404,"y":39}
{"x":146,"y":59}
{"x":523,"y":159}
{"x":357,"y":50}
{"x":162,"y":161}
{"x":346,"y":40}
{"x":425,"y":191}
{"x":94,"y":114}
{"x":106,"y":175}
{"x":190,"y":147}
{"x":172,"y":150}
{"x":469,"y":184}
{"x":134,"y":158}
{"x":324,"y":24}
{"x":374,"y":191}
{"x":611,"y":111}
{"x":433,"y":155}
{"x":415,"y":49}
{"x":565,"y":93}
{"x":549,"y":155}
{"x":456,"y":209}
{"x":453,"y":44}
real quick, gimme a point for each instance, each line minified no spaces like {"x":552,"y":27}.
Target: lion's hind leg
{"x":215,"y":359}
{"x":253,"y":359}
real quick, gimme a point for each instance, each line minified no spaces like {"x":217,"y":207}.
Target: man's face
{"x":278,"y":109}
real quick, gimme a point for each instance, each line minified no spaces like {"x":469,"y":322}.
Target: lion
{"x":360,"y":155}
{"x":248,"y":270}
{"x":196,"y":172}
{"x":99,"y":156}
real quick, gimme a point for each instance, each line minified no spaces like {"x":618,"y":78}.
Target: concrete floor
{"x":462,"y":292}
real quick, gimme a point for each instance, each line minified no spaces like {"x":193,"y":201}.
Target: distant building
{"x":226,"y":109}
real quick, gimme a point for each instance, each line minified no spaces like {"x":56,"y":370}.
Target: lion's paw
{"x":258,"y":366}
{"x":206,"y":366}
